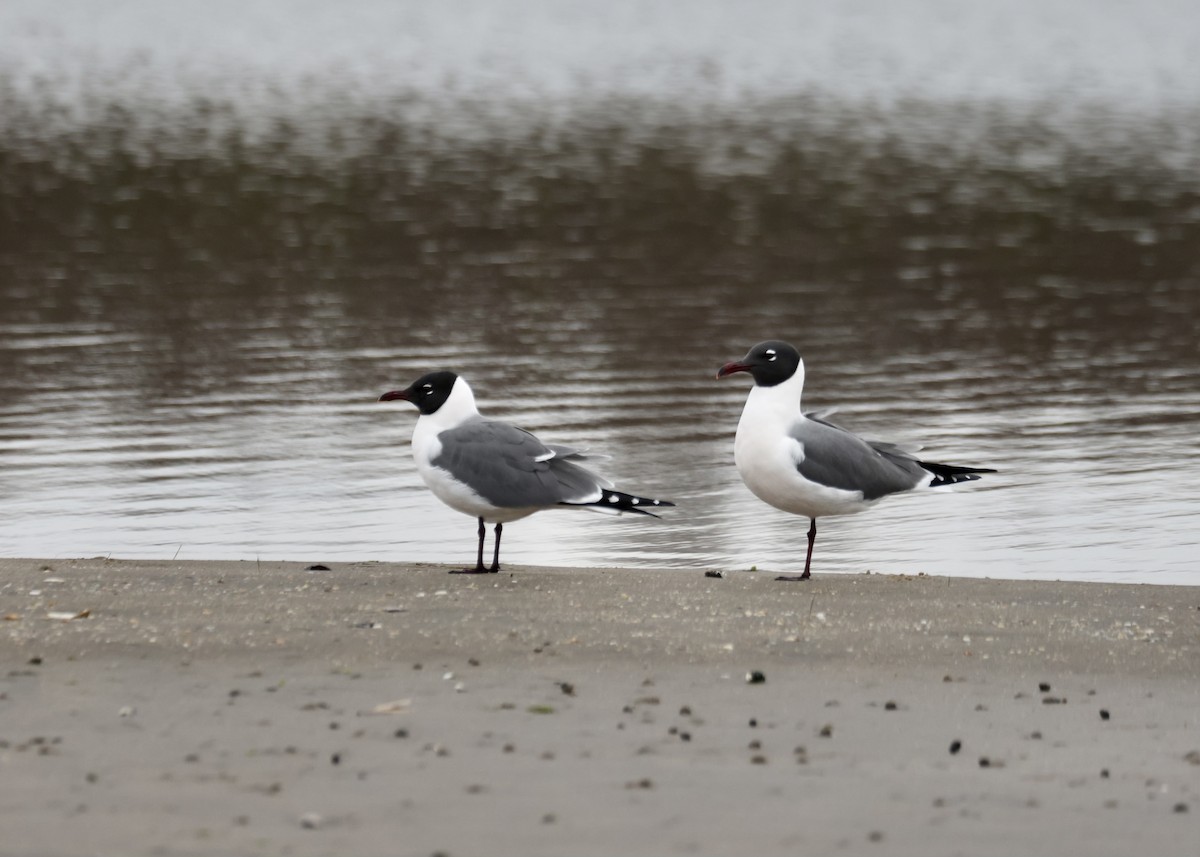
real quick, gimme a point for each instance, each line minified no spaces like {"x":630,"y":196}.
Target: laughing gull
{"x":803,"y":464}
{"x":494,"y":471}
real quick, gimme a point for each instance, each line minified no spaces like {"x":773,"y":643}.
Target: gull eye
{"x":771,"y":354}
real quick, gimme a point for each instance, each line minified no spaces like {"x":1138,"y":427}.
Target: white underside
{"x":768,"y":467}
{"x":767,"y":457}
{"x":455,"y":494}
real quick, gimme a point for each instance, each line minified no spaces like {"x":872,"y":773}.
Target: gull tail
{"x":952,"y":474}
{"x":616,"y":502}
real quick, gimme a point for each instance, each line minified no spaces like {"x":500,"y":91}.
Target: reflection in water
{"x":197,"y":318}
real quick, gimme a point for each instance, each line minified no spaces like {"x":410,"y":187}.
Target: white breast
{"x":767,"y":457}
{"x":457,"y":495}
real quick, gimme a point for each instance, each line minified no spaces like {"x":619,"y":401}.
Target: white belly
{"x":767,"y":458}
{"x":455,"y":494}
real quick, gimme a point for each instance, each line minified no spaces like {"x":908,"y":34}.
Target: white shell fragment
{"x":67,"y":616}
{"x":396,"y":706}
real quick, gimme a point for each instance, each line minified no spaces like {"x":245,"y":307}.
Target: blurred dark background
{"x":203,"y":280}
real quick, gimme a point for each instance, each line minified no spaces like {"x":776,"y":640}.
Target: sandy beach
{"x":172,"y":708}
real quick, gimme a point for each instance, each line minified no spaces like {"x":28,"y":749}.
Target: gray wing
{"x":841,"y":459}
{"x":511,"y":468}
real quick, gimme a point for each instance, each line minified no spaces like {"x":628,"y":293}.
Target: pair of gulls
{"x":794,"y":461}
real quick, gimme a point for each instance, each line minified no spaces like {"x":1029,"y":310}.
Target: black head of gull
{"x":770,"y":363}
{"x":804,"y":464}
{"x":494,"y":471}
{"x":428,"y":393}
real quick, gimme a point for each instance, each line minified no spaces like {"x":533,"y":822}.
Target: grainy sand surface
{"x":238,"y":708}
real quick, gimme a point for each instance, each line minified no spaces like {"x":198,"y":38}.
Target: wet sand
{"x":239,"y":708}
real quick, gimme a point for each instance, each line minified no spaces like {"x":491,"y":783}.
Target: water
{"x":217,"y":249}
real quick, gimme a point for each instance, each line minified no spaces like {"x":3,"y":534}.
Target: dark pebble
{"x":758,"y":760}
{"x":400,"y":733}
{"x":685,"y":736}
{"x":756,"y":745}
{"x":317,"y":567}
{"x":567,"y":688}
{"x":509,"y":748}
{"x":1044,"y":687}
{"x":674,"y":730}
{"x":755,"y":677}
{"x":875,"y":836}
{"x":714,"y":574}
{"x":335,"y":759}
{"x":35,"y":661}
{"x":1054,"y":700}
{"x":985,"y":762}
{"x":826,"y":731}
{"x":955,"y":746}
{"x":1104,"y":715}
{"x":1181,"y":807}
{"x":1104,"y":773}
{"x":889,"y":706}
{"x":685,"y":711}
{"x":753,"y":723}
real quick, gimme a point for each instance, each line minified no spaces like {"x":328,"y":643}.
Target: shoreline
{"x":263,"y":708}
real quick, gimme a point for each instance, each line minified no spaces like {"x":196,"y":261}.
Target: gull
{"x":803,"y":464}
{"x":494,"y":471}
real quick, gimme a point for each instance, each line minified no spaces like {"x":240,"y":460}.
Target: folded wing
{"x":511,"y":468}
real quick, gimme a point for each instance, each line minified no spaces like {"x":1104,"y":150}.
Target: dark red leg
{"x":812,"y":537}
{"x":479,"y":566}
{"x":496,"y":556}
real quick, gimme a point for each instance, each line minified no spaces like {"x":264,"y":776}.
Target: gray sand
{"x":233,"y":708}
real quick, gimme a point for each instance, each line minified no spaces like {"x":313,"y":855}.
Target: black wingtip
{"x":622,"y":502}
{"x":952,"y":474}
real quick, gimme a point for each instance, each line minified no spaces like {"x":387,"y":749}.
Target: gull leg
{"x":812,"y":537}
{"x":479,"y":566}
{"x":496,"y":556}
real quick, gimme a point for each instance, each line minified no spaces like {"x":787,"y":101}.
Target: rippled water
{"x":205,"y":286}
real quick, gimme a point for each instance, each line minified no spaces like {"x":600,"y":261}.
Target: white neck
{"x":782,"y":400}
{"x":458,"y":407}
